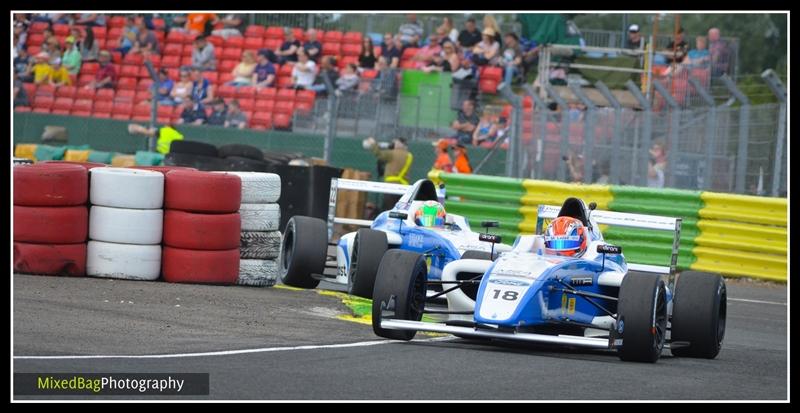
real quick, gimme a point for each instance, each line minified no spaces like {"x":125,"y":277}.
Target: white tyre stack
{"x":260,"y":239}
{"x":125,"y":224}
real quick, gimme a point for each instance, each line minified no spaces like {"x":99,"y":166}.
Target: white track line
{"x":744,"y":300}
{"x":226,"y":352}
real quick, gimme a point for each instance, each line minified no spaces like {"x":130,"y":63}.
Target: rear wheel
{"x":402,"y":276}
{"x":698,"y":315}
{"x":642,"y":317}
{"x":303,"y":251}
{"x":368,"y":249}
{"x":471,"y":290}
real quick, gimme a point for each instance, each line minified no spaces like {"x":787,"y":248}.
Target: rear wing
{"x":623,"y":219}
{"x":361,"y":186}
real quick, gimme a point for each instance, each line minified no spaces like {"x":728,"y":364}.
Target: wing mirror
{"x":609,"y":249}
{"x":398,"y":215}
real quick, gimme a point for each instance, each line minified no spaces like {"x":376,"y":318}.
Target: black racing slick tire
{"x":199,"y":162}
{"x":642,"y":317}
{"x":194,"y":148}
{"x":242,"y":164}
{"x":699,"y":310}
{"x":368,"y":249}
{"x":243,"y":151}
{"x":303,"y":251}
{"x":401,"y":281}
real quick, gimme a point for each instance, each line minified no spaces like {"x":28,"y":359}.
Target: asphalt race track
{"x":98,"y":317}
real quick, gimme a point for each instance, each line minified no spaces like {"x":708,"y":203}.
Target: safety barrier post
{"x":562,"y":166}
{"x":744,"y":129}
{"x":674,"y":119}
{"x":711,"y":129}
{"x":513,"y":164}
{"x":616,"y":141}
{"x":541,"y":105}
{"x":151,"y":141}
{"x":588,"y":131}
{"x":775,"y":84}
{"x":640,"y":178}
{"x":332,"y":117}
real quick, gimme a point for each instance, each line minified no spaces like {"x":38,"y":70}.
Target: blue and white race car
{"x":534,"y":293}
{"x":305,"y":240}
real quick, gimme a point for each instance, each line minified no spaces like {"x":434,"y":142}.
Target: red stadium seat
{"x":226,"y":66}
{"x":284,"y":107}
{"x":173,"y":49}
{"x":129,"y":71}
{"x":282,"y":120}
{"x":64,"y":104}
{"x":154,"y":59}
{"x":116,"y":21}
{"x":141,"y":110}
{"x":255,"y":30}
{"x":61,"y":29}
{"x":268,"y":93}
{"x":126,"y":83}
{"x":143,"y":73}
{"x":306,"y":107}
{"x":22,"y":109}
{"x":247,"y":105}
{"x":124,"y":96}
{"x":41,"y":110}
{"x":34,"y":50}
{"x":377,"y":51}
{"x":227,"y":92}
{"x":274,"y":32}
{"x":114,"y":34}
{"x":346,"y":60}
{"x":30,"y":88}
{"x":332,"y":37}
{"x":285,"y":95}
{"x":187,"y":50}
{"x":261,"y":119}
{"x":116,"y":57}
{"x":305,"y":96}
{"x":488,"y":86}
{"x":84,"y":80}
{"x":43,"y":101}
{"x":331,"y":49}
{"x":253,"y":43}
{"x":158,"y":23}
{"x":102,"y":107}
{"x":233,"y":43}
{"x":38,"y":27}
{"x":409,"y":53}
{"x":84,"y":93}
{"x":408,"y":64}
{"x":217,"y":41}
{"x":186,"y":61}
{"x":284,"y":82}
{"x":369,"y":74}
{"x":264,"y":106}
{"x":272,"y":44}
{"x":34,"y":40}
{"x":104,"y":95}
{"x":218,"y":53}
{"x":299,"y":34}
{"x":46,"y":90}
{"x":225,"y":77}
{"x":352,"y":38}
{"x":66,"y":92}
{"x":212,"y":77}
{"x":231,"y":53}
{"x":491,"y":72}
{"x":246,"y":92}
{"x":133,"y":59}
{"x":164,"y":111}
{"x":176,"y":37}
{"x":141,"y":96}
{"x":351,"y":49}
{"x":100,"y":32}
{"x":122,"y":108}
{"x":285,"y":70}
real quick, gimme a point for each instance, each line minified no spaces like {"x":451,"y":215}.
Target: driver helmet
{"x":565,"y":236}
{"x":430,"y":214}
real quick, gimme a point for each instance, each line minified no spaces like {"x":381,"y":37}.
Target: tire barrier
{"x":194,"y":148}
{"x":257,"y":273}
{"x":243,"y":151}
{"x":86,"y":164}
{"x":22,"y":161}
{"x":123,"y":261}
{"x":736,"y":235}
{"x":204,"y":192}
{"x":259,"y":188}
{"x":125,"y":224}
{"x":260,"y":217}
{"x":202,"y":267}
{"x":262,"y":245}
{"x":164,"y":168}
{"x":50,"y":259}
{"x":50,"y":219}
{"x":201,"y":231}
{"x":127,"y":188}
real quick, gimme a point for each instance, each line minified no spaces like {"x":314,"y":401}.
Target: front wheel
{"x":698,"y":315}
{"x":303,"y":251}
{"x":401,"y":275}
{"x":642,"y":317}
{"x":368,"y":249}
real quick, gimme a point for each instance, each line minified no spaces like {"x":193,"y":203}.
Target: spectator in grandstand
{"x":425,"y":54}
{"x":490,"y":22}
{"x":699,"y":56}
{"x":657,"y":164}
{"x":679,"y":46}
{"x":146,"y":41}
{"x":202,"y":91}
{"x":244,"y":71}
{"x":203,"y":54}
{"x":388,"y":40}
{"x":367,"y":59}
{"x":20,"y":34}
{"x":487,"y":51}
{"x":467,"y":70}
{"x":312,"y":46}
{"x":409,"y":29}
{"x":466,"y":122}
{"x":193,"y":114}
{"x":438,"y":64}
{"x":470,"y":36}
{"x":348,"y":81}
{"x":443,"y":162}
{"x":720,"y":53}
{"x":413,"y":43}
{"x":485,"y":132}
{"x":59,"y":76}
{"x":53,"y":49}
{"x":461,"y":164}
{"x":165,"y":85}
{"x":304,"y":71}
{"x":236,"y":118}
{"x":173,"y":21}
{"x":287,"y":52}
{"x":128,"y":37}
{"x":41,"y":69}
{"x":23,"y":65}
{"x":106,"y":75}
{"x":450,"y":32}
{"x":512,"y":58}
{"x":327,"y":67}
{"x":218,"y":113}
{"x":393,"y":53}
{"x":20,"y":95}
{"x":385,"y":83}
{"x":91,"y":20}
{"x":503,"y":129}
{"x":264,"y":73}
{"x":450,"y":54}
{"x":634,"y":40}
{"x":89,"y":48}
{"x":182,"y":91}
{"x":233,"y":26}
{"x":72,"y":56}
{"x":200,"y":23}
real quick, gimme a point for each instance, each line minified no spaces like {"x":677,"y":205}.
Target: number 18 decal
{"x":507,"y":295}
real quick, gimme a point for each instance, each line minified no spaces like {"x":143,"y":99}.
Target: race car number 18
{"x":507,"y":295}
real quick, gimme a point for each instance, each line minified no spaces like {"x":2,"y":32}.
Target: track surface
{"x":85,"y":316}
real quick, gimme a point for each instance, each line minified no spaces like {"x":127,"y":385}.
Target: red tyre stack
{"x":51,"y":219}
{"x":201,"y":227}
